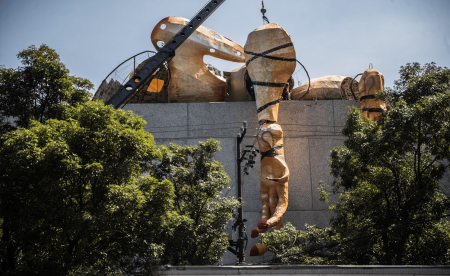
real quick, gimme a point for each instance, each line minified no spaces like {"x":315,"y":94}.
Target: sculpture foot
{"x":258,"y":249}
{"x":255,"y":232}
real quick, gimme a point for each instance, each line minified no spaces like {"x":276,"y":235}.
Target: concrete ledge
{"x":303,"y":270}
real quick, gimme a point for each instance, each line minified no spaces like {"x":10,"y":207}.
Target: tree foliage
{"x":72,"y":194}
{"x":92,"y":194}
{"x":388,"y":174}
{"x":310,"y":247}
{"x":38,"y":89}
{"x":198,"y":182}
{"x":84,"y":190}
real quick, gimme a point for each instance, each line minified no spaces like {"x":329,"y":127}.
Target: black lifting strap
{"x":264,"y":54}
{"x":271,"y":152}
{"x":269,"y":84}
{"x":373,"y":110}
{"x":367,"y":97}
{"x":261,"y":108}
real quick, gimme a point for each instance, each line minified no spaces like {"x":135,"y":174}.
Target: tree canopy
{"x":198,"y":183}
{"x":389,"y":176}
{"x":92,"y":194}
{"x":71,"y":191}
{"x":84,"y":189}
{"x":38,"y":89}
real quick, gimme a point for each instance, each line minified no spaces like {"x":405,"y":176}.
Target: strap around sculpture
{"x":373,"y":110}
{"x":367,"y":97}
{"x":261,"y":108}
{"x":264,"y":54}
{"x":271,"y":152}
{"x":269,"y":84}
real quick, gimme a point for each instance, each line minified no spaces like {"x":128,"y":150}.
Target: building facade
{"x":311,"y":130}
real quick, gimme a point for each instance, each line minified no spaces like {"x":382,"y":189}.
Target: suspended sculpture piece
{"x":270,"y":59}
{"x":190,"y":79}
{"x":371,"y":82}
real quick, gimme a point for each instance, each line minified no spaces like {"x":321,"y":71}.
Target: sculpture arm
{"x":285,"y":177}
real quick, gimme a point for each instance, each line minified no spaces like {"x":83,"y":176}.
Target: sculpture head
{"x":202,"y":42}
{"x":270,"y":59}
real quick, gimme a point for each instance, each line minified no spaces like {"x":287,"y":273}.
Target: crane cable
{"x":263,"y":11}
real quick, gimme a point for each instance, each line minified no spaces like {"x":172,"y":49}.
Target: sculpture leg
{"x":279,"y":225}
{"x":265,"y":212}
{"x":273,"y":202}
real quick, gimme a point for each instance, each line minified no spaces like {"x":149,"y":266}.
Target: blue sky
{"x":331,"y":37}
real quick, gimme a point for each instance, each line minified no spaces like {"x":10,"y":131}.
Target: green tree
{"x":310,"y":247}
{"x":73,"y":197}
{"x":39,"y":89}
{"x":83,"y":189}
{"x":388,"y":174}
{"x":198,"y":182}
{"x":91,"y":194}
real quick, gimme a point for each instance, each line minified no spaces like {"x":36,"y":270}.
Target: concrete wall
{"x":293,"y":270}
{"x":311,"y":130}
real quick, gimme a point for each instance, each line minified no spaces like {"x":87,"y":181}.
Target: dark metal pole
{"x":239,"y":223}
{"x":240,"y":241}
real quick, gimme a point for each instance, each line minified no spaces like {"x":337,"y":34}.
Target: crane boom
{"x":146,"y":74}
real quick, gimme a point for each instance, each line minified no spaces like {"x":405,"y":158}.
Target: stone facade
{"x":311,"y":130}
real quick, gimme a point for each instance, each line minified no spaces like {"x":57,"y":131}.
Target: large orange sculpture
{"x":190,"y":79}
{"x":270,"y":59}
{"x":371,"y":82}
